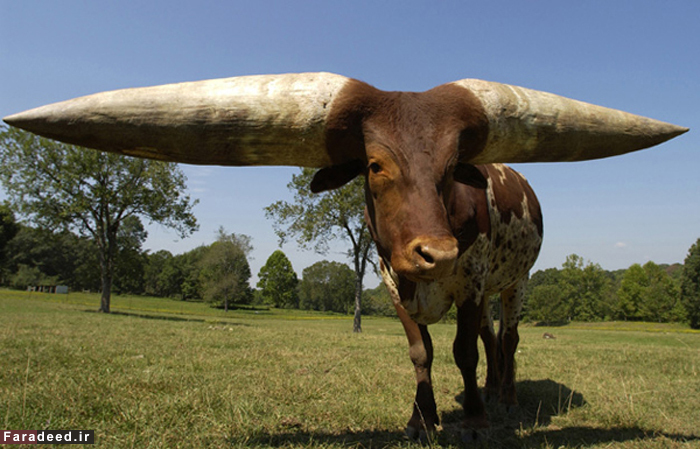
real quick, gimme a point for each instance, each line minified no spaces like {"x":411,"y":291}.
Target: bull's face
{"x":406,"y":183}
{"x":412,"y":146}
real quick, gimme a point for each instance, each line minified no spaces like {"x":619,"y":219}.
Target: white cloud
{"x":620,"y":245}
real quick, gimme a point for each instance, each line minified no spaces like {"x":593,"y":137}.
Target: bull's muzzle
{"x":428,"y":259}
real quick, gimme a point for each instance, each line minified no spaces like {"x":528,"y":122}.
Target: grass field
{"x":167,"y":374}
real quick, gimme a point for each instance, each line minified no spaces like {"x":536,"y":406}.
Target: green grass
{"x":168,"y":374}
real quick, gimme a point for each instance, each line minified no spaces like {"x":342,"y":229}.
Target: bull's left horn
{"x":527,"y":125}
{"x":248,"y":120}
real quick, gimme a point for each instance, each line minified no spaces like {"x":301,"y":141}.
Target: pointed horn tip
{"x":675,"y":131}
{"x":681,"y":130}
{"x":13,"y":120}
{"x":29,"y":122}
{"x":24,"y":119}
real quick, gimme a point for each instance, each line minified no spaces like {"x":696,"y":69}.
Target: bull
{"x":450,"y":223}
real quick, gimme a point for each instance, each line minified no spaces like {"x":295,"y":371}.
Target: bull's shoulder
{"x":468,"y":213}
{"x":510,"y":195}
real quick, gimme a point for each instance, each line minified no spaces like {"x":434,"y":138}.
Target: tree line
{"x":220,"y":274}
{"x":95,"y":202}
{"x":583,"y":291}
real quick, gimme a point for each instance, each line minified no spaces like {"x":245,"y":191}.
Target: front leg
{"x":466,"y":356}
{"x":424,"y":418}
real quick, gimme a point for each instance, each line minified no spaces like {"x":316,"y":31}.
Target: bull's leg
{"x":508,"y":338}
{"x":425,"y":417}
{"x":466,"y":355}
{"x":488,"y":337}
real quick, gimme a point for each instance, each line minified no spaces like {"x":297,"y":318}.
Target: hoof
{"x":489,"y":394}
{"x":412,"y":433}
{"x":509,"y":409}
{"x":473,"y":436}
{"x":420,"y":435}
{"x":474,"y":429}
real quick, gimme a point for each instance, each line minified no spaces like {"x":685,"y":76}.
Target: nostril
{"x":424,"y":253}
{"x":427,"y":259}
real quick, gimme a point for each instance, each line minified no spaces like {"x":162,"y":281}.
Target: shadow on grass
{"x":585,"y":436}
{"x":540,"y":401}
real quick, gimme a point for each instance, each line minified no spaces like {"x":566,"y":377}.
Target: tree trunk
{"x":106,"y":278}
{"x":361,"y":253}
{"x":107,"y":255}
{"x":357,"y":321}
{"x":106,"y":295}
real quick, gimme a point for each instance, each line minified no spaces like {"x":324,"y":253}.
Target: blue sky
{"x":639,"y":56}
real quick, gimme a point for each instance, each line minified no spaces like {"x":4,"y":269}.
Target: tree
{"x":661,"y":299}
{"x":631,"y":292}
{"x":64,"y":186}
{"x":648,"y":293}
{"x":130,"y":260}
{"x":8,"y":227}
{"x":548,"y":304}
{"x":378,"y":302}
{"x":8,"y":230}
{"x":156,"y":282}
{"x":690,"y":285}
{"x":579,"y":291}
{"x":537,"y":306}
{"x":62,"y":256}
{"x":188,"y":265}
{"x":28,"y":276}
{"x":586,"y":289}
{"x":278,"y":281}
{"x":327,"y":286}
{"x":225,"y":271}
{"x":317,"y":219}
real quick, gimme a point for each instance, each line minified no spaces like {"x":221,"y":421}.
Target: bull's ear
{"x":470,"y":175}
{"x":330,"y":178}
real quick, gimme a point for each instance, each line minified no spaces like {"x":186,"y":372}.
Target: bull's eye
{"x":375,"y":168}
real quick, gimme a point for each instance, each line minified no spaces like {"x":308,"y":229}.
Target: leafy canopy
{"x":59,"y":185}
{"x":317,"y":219}
{"x":63,"y":186}
{"x":327,"y":286}
{"x":690,"y":285}
{"x":278,"y":281}
{"x":225,"y":271}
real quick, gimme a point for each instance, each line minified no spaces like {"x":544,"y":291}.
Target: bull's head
{"x":411,"y":147}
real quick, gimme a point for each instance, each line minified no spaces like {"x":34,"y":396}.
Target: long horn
{"x":248,"y":120}
{"x":531,"y":126}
